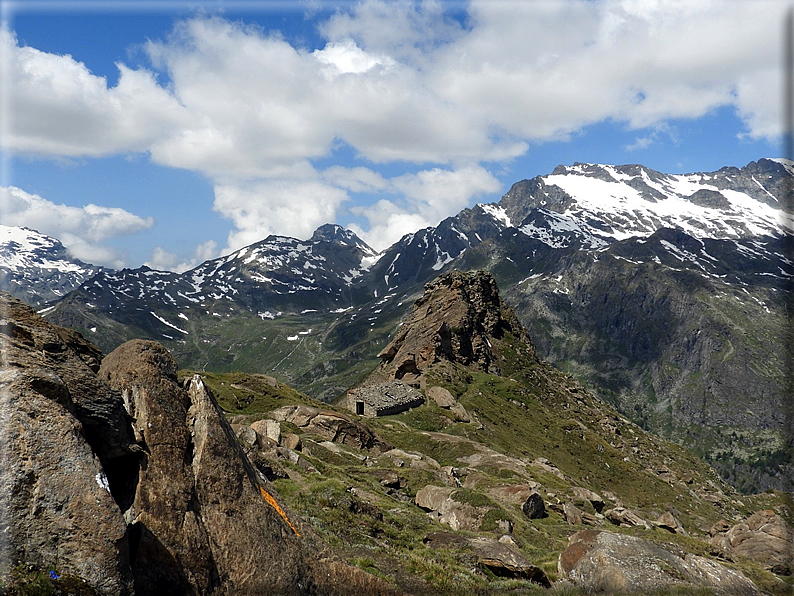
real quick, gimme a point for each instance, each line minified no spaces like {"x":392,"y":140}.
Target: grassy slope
{"x":532,"y":411}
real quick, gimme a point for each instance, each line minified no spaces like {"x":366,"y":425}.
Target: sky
{"x":166,"y":133}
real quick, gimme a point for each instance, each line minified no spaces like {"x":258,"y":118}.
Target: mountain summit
{"x":459,"y":319}
{"x":37,"y":268}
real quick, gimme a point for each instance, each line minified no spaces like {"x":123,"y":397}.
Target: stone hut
{"x":383,"y":399}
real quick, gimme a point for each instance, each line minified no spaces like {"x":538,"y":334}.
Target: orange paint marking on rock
{"x":272,"y":502}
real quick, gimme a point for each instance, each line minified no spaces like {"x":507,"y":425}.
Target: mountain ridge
{"x":597,"y":275}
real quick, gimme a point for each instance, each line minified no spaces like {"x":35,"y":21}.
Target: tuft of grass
{"x":31,"y":580}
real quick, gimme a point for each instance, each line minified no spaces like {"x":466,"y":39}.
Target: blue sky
{"x":170,"y":132}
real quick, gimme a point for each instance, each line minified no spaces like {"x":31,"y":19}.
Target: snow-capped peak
{"x":617,"y":202}
{"x":37,"y":267}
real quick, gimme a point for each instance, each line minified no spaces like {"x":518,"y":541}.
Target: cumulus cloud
{"x":163,"y":260}
{"x":427,"y":197}
{"x":286,"y":207}
{"x":57,"y":107}
{"x":82,"y":230}
{"x":398,"y":82}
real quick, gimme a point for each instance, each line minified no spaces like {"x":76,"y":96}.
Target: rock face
{"x":457,"y":319}
{"x":56,"y":507}
{"x":199,"y":521}
{"x":764,"y":537}
{"x":130,"y":483}
{"x":606,"y":562}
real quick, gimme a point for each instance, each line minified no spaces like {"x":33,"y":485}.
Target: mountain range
{"x":666,"y":295}
{"x":499,"y":474}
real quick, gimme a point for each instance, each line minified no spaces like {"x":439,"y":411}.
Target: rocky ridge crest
{"x":459,"y":319}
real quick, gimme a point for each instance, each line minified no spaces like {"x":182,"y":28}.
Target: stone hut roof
{"x":387,"y":395}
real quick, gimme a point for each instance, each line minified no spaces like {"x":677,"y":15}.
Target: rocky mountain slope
{"x":118,"y":479}
{"x":202,"y":478}
{"x":666,"y":294}
{"x":37,"y":268}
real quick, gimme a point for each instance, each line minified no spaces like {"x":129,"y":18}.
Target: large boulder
{"x":133,"y":483}
{"x":606,"y":562}
{"x":441,"y":396}
{"x":620,"y":516}
{"x":331,"y":426}
{"x":533,"y":507}
{"x":201,"y":518}
{"x":504,"y":560}
{"x":58,"y":425}
{"x":441,"y":503}
{"x":764,"y":537}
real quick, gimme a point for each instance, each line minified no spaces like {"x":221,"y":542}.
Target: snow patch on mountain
{"x":497,"y":212}
{"x":630,"y":201}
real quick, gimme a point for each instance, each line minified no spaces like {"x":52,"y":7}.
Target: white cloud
{"x":429,"y":197}
{"x":82,"y":230}
{"x":57,"y":107}
{"x":163,"y":260}
{"x":287,"y":207}
{"x":398,"y":81}
{"x":346,"y":57}
{"x":357,"y":179}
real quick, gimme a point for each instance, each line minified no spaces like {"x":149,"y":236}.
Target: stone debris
{"x":534,"y":507}
{"x":763,"y":537}
{"x":601,"y":561}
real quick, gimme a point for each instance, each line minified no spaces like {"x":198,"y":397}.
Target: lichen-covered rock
{"x":56,"y":506}
{"x":606,"y":562}
{"x":764,"y":537}
{"x":457,"y":319}
{"x":200,"y":521}
{"x":134,"y":483}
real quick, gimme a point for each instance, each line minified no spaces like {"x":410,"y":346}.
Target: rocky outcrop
{"x":331,"y":426}
{"x":606,"y":562}
{"x":130,"y":482}
{"x":458,"y":319}
{"x":56,"y":506}
{"x":764,"y":537}
{"x":200,"y":519}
